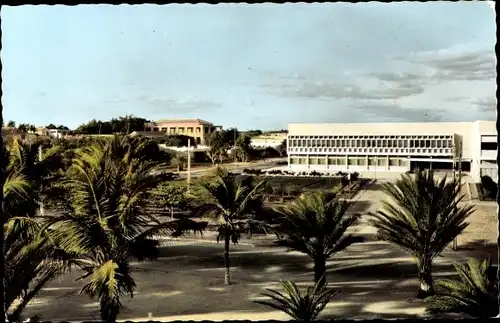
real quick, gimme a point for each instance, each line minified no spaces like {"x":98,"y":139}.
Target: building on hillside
{"x":196,"y":128}
{"x":273,"y":140}
{"x":9,"y":133}
{"x":55,"y":133}
{"x":397,"y":147}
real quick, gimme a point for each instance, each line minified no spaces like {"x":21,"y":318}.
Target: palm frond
{"x":303,"y":307}
{"x":474,"y":293}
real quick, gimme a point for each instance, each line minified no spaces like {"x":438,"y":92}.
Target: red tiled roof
{"x":197,"y":121}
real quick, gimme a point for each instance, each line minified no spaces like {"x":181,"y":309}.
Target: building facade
{"x":272,"y":140}
{"x":200,"y":130}
{"x":397,"y":147}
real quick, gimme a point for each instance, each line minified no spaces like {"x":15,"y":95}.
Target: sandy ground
{"x":376,"y":280}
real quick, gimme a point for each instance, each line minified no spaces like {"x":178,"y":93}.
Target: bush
{"x":250,"y":171}
{"x":354,"y":176}
{"x":488,"y":187}
{"x":275,"y":172}
{"x":315,"y":173}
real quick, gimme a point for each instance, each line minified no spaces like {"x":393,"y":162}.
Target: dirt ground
{"x":377,"y":280}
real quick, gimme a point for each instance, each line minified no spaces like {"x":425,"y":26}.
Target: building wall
{"x":199,"y":131}
{"x":399,"y":143}
{"x":266,"y":142}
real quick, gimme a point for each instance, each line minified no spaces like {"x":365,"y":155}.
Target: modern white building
{"x":397,"y":147}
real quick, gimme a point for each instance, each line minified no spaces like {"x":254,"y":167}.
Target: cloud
{"x":169,"y":105}
{"x":485,"y":105}
{"x":395,"y":112}
{"x":456,"y":64}
{"x":323,"y":90}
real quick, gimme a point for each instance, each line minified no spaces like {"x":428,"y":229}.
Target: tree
{"x":423,"y":217}
{"x":31,"y":259}
{"x":36,"y":168}
{"x":11,"y":124}
{"x":235,"y":205}
{"x":301,"y":307}
{"x":229,"y":136}
{"x":23,"y":127}
{"x":244,"y":148}
{"x":253,"y":133}
{"x":51,"y":126}
{"x":179,"y":161}
{"x":474,"y":293}
{"x":102,"y":219}
{"x":217,"y":147}
{"x":32,"y":128}
{"x":282,"y":149}
{"x":315,"y":224}
{"x":123,"y":125}
{"x":178,"y":141}
{"x":62,"y":127}
{"x":169,"y":195}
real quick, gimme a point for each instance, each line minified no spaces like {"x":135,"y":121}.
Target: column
{"x":366,"y":162}
{"x":346,"y":162}
{"x":387,"y":161}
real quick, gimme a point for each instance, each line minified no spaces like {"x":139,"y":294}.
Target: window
{"x":445,"y":143}
{"x":377,"y":143}
{"x":427,"y":143}
{"x":489,"y":146}
{"x":389,"y":143}
{"x":439,"y":143}
{"x":433,"y":143}
{"x":342,"y":142}
{"x":313,"y":143}
{"x":308,"y":142}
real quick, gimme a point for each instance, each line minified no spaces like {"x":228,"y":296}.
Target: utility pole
{"x":459,"y":152}
{"x":234,"y":146}
{"x":40,"y":156}
{"x":189,"y":164}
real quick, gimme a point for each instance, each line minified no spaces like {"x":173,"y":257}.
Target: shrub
{"x":488,"y":187}
{"x":354,"y":176}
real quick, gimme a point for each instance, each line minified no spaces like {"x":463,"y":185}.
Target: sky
{"x":256,"y":66}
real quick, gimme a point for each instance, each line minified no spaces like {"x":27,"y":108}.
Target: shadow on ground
{"x":479,"y":249}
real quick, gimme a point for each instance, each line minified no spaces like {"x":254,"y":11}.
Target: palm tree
{"x":423,"y":218}
{"x":316,"y":224}
{"x":474,"y":293}
{"x":234,"y":204}
{"x":38,"y":168}
{"x":102,"y":220}
{"x":302,"y":307}
{"x":31,"y":258}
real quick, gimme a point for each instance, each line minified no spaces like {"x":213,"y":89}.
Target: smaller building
{"x":9,"y":133}
{"x":198,"y":129}
{"x":55,"y":133}
{"x":273,"y":140}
